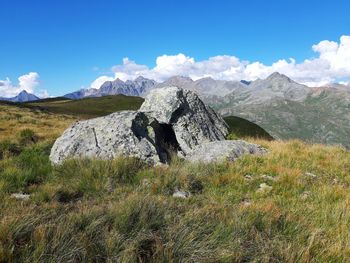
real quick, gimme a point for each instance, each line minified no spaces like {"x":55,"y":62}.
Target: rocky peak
{"x":23,"y":96}
{"x":276,"y":76}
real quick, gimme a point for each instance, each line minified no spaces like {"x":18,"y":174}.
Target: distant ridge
{"x":284,"y":108}
{"x":137,"y":87}
{"x":23,"y":96}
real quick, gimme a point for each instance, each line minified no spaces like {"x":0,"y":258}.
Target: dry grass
{"x":46,"y":125}
{"x":123,"y":211}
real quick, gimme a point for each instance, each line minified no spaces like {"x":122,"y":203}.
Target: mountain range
{"x":284,"y":108}
{"x":138,"y":87}
{"x":23,"y":96}
{"x":288,"y":110}
{"x":281,"y":106}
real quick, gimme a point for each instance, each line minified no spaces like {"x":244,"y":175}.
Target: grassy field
{"x":46,"y":125}
{"x":89,"y":107}
{"x":96,"y":107}
{"x":292,"y":205}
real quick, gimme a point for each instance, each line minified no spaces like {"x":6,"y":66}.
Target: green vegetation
{"x":242,"y":128}
{"x":27,"y":136}
{"x":84,"y":108}
{"x":124,"y":211}
{"x":322,"y":117}
{"x":88,"y":107}
{"x":16,"y":119}
{"x":291,"y":205}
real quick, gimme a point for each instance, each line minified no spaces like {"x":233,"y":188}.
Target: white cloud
{"x":346,"y":83}
{"x":97,"y":83}
{"x":331,"y":64}
{"x":28,"y":82}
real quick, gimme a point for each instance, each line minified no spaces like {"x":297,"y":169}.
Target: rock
{"x":193,"y":122}
{"x":248,"y":177}
{"x":264,"y":188}
{"x":310,"y":175}
{"x":223,"y":150}
{"x":170,"y":121}
{"x":20,"y":196}
{"x":246,"y":202}
{"x":127,"y":133}
{"x":181,"y":194}
{"x":305,"y":195}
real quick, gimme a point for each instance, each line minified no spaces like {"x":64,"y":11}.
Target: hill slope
{"x":100,"y":106}
{"x":240,"y":128}
{"x":322,"y":116}
{"x":291,"y":205}
{"x":88,"y":107}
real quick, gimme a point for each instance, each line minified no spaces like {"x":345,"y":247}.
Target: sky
{"x":51,"y":48}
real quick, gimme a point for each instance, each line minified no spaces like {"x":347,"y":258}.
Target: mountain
{"x":138,"y":87}
{"x":205,"y":86}
{"x":83,"y":93}
{"x":338,"y":86}
{"x":264,"y":90}
{"x":23,"y":96}
{"x":282,"y":107}
{"x":287,"y":109}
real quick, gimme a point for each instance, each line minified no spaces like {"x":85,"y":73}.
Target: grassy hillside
{"x":89,"y":107}
{"x":240,"y":127}
{"x":95,"y":107}
{"x":322,"y":117}
{"x":14,"y":118}
{"x":291,"y":205}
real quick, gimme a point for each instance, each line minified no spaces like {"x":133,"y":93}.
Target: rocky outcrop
{"x":126,"y":133}
{"x":223,"y":151}
{"x":170,"y":121}
{"x":193,"y":122}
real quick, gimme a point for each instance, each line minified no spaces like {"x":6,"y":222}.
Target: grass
{"x":291,"y":205}
{"x":95,"y":107}
{"x":123,"y":211}
{"x":240,"y":127}
{"x":46,"y":125}
{"x":88,"y":107}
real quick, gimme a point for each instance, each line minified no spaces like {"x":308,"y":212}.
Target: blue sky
{"x":71,"y":43}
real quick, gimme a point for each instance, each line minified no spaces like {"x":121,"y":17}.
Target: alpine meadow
{"x":222,"y":135}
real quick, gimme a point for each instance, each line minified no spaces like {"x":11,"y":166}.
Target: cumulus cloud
{"x":97,"y":83}
{"x":332,"y":63}
{"x":28,"y":82}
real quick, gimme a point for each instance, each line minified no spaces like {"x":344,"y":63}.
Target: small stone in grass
{"x":264,"y":188}
{"x":181,"y":194}
{"x":20,"y":196}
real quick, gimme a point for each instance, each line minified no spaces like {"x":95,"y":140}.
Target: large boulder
{"x":193,"y":122}
{"x":170,"y":121}
{"x":223,"y":151}
{"x":126,"y":133}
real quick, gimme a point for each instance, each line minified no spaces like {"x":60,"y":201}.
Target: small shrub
{"x":64,"y":196}
{"x":27,"y":137}
{"x":34,"y":165}
{"x":8,"y":148}
{"x":195,"y":186}
{"x":232,"y":136}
